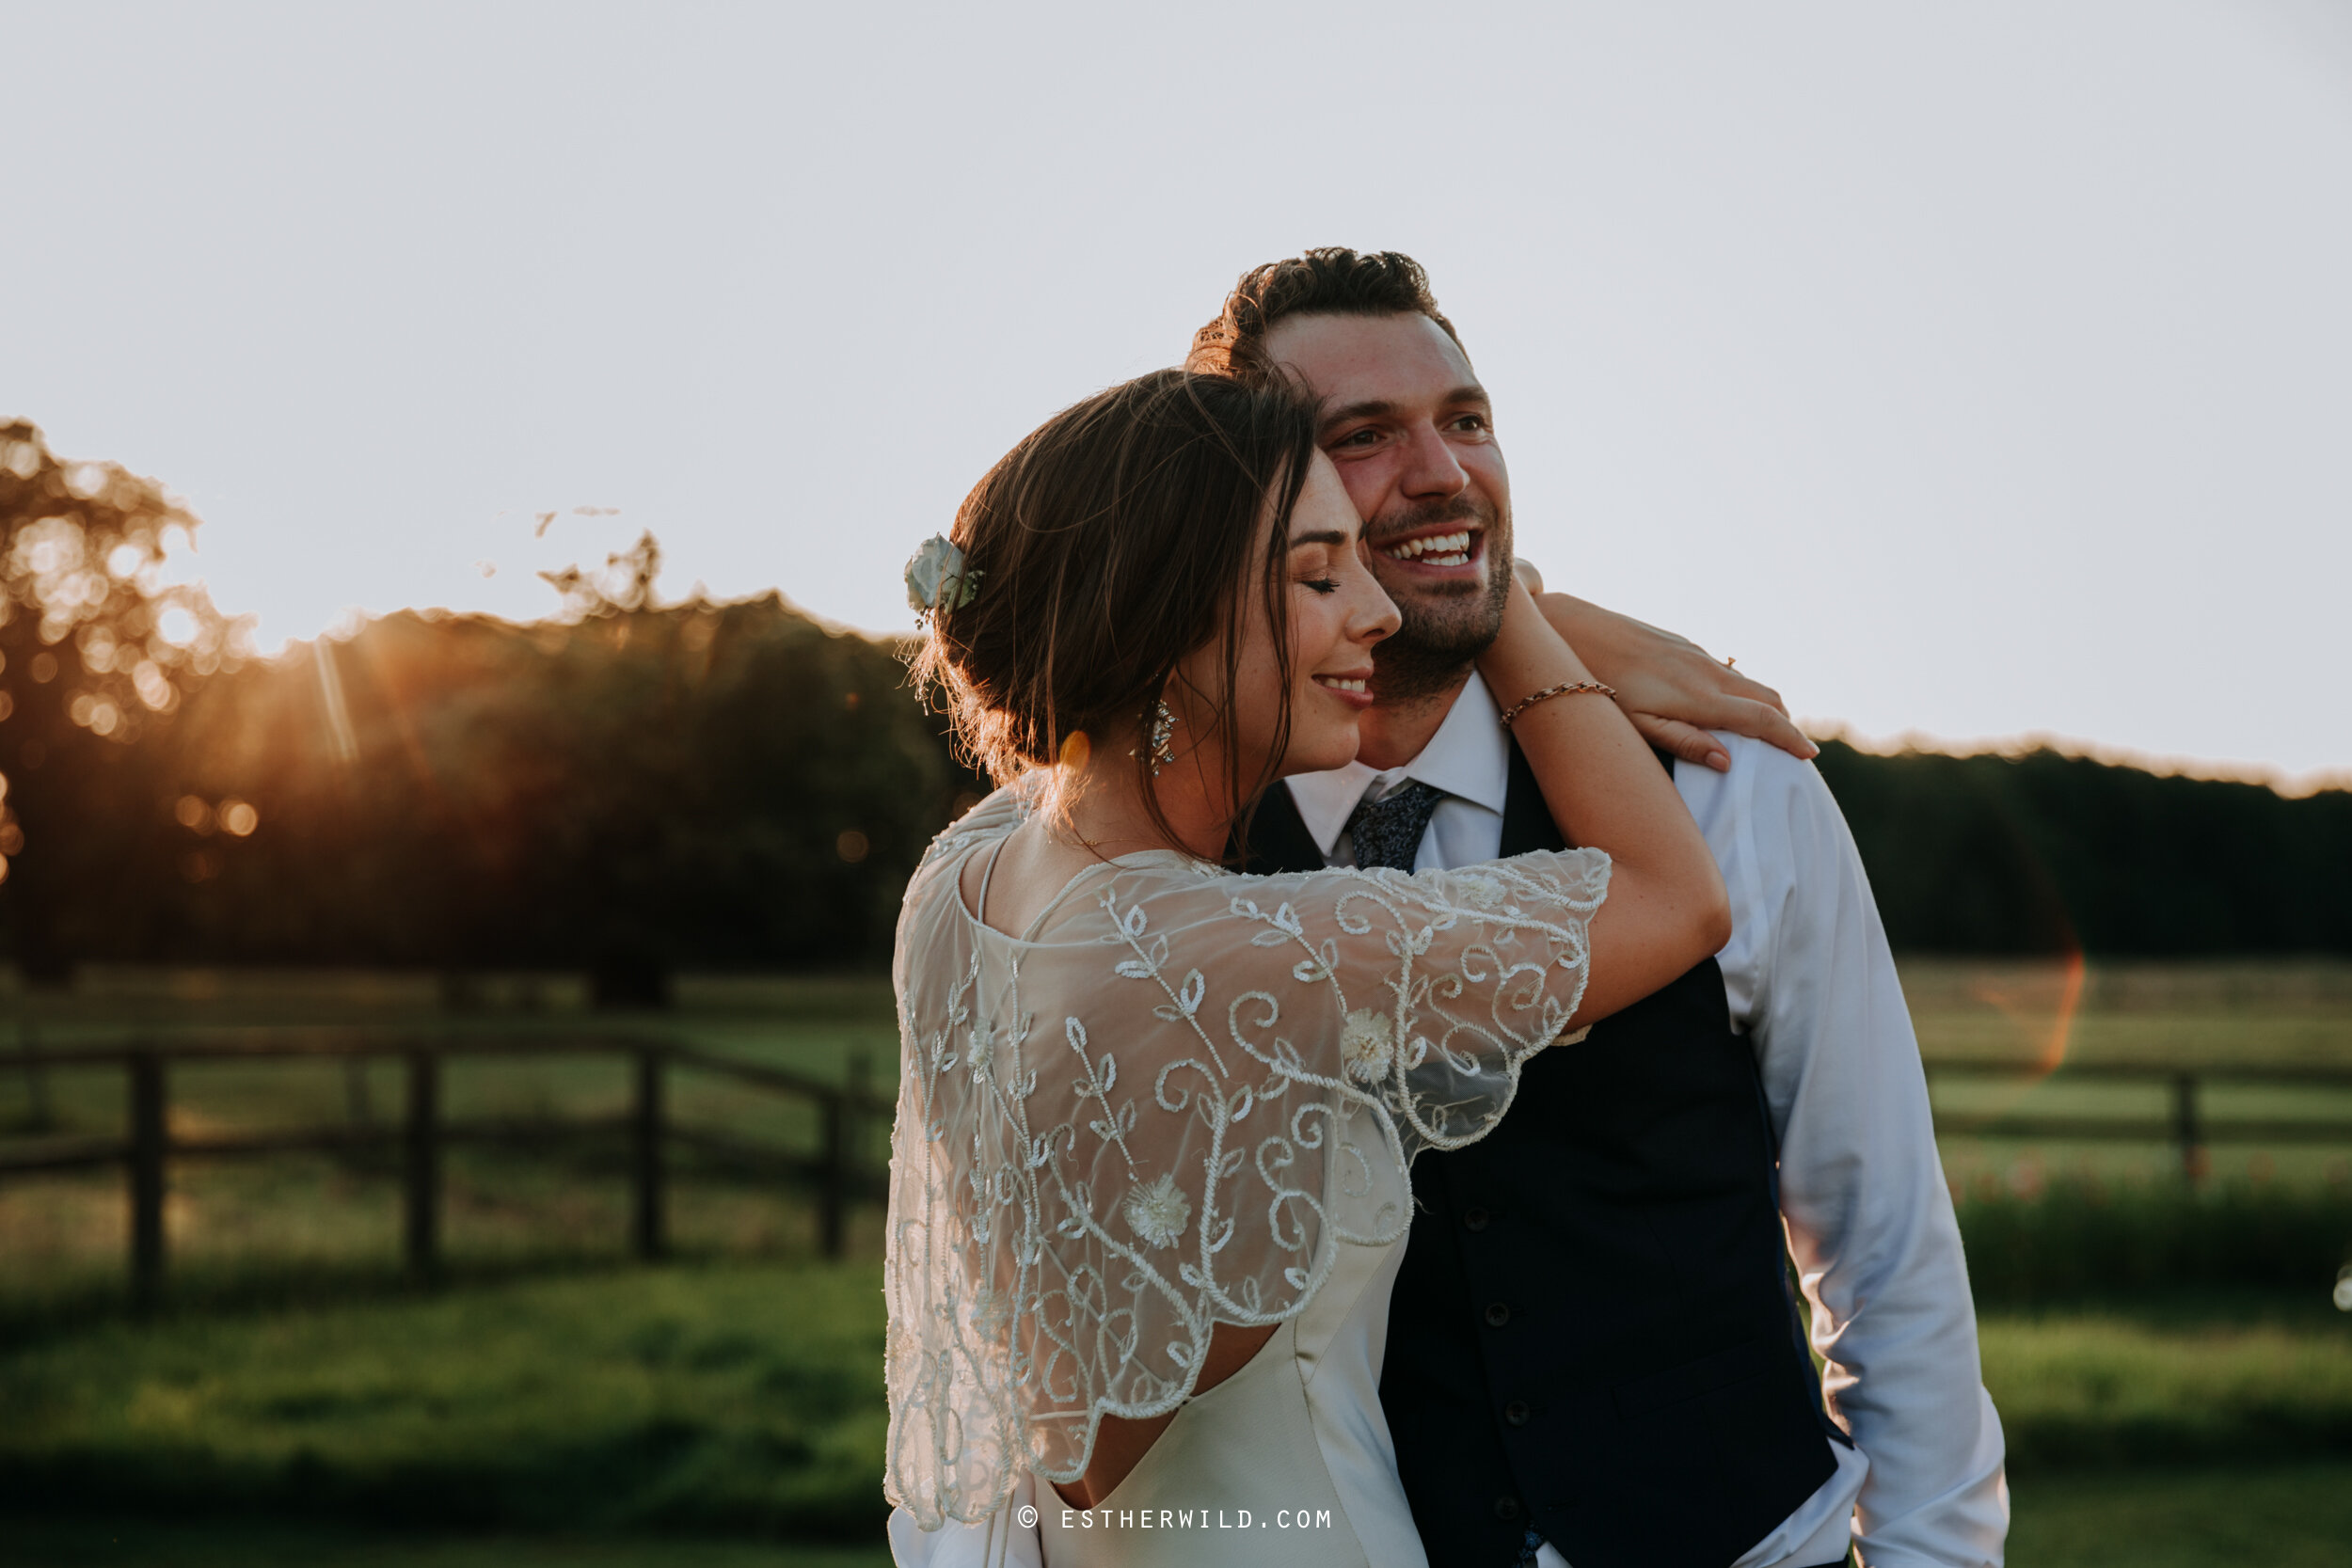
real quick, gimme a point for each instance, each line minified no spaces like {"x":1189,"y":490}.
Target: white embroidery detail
{"x":1159,"y":1213}
{"x":1367,"y":1045}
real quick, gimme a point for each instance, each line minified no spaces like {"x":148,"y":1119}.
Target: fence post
{"x":147,"y":1131}
{"x":853,"y":1134}
{"x":646,"y":1132}
{"x":2186,"y":1131}
{"x":422,"y":1183}
{"x":39,"y":1118}
{"x":357,"y":1103}
{"x":833,"y":1200}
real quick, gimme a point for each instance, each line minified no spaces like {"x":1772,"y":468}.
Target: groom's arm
{"x":1870,"y":1221}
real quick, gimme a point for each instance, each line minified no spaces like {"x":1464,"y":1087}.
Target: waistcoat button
{"x":1473,"y":1219}
{"x":1515,"y":1413}
{"x":1506,"y":1507}
{"x":1497,"y":1314}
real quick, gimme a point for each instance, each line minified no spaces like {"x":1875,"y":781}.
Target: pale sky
{"x":1972,"y":371}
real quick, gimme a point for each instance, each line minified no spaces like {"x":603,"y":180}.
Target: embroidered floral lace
{"x":1162,"y":1109}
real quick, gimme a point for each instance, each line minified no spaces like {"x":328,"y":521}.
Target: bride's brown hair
{"x":1116,"y":539}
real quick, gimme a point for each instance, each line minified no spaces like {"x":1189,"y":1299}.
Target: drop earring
{"x":1163,"y":729}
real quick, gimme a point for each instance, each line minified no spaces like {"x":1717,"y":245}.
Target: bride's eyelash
{"x":1323,"y":585}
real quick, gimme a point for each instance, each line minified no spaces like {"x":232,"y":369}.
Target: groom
{"x":1594,"y":1353}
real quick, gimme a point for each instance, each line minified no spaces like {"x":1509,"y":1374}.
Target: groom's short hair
{"x":1331,"y":280}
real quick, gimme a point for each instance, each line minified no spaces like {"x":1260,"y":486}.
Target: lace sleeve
{"x":1163,"y":1112}
{"x":1419,"y":994}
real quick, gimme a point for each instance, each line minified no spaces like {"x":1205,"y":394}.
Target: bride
{"x":1149,"y":1180}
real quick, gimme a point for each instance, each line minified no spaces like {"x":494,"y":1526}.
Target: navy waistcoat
{"x":1592,"y":1333}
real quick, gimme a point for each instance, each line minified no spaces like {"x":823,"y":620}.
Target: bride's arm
{"x":1666,"y":907}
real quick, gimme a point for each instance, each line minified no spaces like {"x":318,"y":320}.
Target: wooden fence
{"x":2186,"y":1127}
{"x":835,"y":1173}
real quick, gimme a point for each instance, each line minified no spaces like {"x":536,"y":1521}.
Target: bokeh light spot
{"x":852,"y":845}
{"x":194,"y":814}
{"x":238,"y":818}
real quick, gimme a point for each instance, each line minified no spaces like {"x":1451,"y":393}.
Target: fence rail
{"x":2186,"y":1127}
{"x":835,"y":1173}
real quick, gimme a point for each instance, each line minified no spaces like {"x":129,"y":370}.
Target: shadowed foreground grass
{"x":2288,"y":1516}
{"x":2171,"y":1378}
{"x":742,"y":1400}
{"x":143,"y":1543}
{"x":2292,"y":1516}
{"x":716,"y":1416}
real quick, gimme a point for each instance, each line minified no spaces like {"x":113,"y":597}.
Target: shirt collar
{"x":1470,"y":758}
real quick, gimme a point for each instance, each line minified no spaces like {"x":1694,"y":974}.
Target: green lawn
{"x":94,"y":1543}
{"x":713,"y":1413}
{"x":742,"y":1398}
{"x":295,"y":1404}
{"x":2171,"y":1378}
{"x":2289,"y":1516}
{"x":2294,"y":1515}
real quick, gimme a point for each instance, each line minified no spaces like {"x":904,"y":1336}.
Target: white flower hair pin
{"x":936,"y":578}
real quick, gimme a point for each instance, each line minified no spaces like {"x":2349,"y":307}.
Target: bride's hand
{"x":1670,"y":687}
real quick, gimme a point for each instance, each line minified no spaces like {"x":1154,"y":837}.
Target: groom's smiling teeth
{"x":1433,"y":550}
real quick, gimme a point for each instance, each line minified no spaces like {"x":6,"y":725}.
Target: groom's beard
{"x":1444,"y":627}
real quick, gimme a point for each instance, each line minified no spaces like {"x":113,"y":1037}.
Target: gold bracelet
{"x":1566,"y":688}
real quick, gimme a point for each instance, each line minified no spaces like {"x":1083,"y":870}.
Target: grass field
{"x":296,"y":1402}
{"x":694,"y":1415}
{"x":2295,"y":1516}
{"x":98,"y":1543}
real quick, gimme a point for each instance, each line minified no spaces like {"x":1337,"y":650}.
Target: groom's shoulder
{"x":1765,"y":790}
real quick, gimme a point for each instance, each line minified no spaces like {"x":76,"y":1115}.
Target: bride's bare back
{"x":1006,"y":893}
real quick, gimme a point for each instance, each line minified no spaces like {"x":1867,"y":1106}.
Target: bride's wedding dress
{"x":1181,"y":1097}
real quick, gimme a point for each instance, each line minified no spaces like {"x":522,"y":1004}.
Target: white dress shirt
{"x":1812,"y":983}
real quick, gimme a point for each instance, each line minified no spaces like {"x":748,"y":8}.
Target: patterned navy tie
{"x":1387,"y":831}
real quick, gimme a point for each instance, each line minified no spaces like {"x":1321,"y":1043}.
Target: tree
{"x":95,"y":649}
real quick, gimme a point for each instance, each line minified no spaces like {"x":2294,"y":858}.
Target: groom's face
{"x":1411,"y":434}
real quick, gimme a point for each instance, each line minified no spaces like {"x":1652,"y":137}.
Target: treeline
{"x":2046,"y":853}
{"x":738,"y":785}
{"x":722,"y":786}
{"x":630,"y":790}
